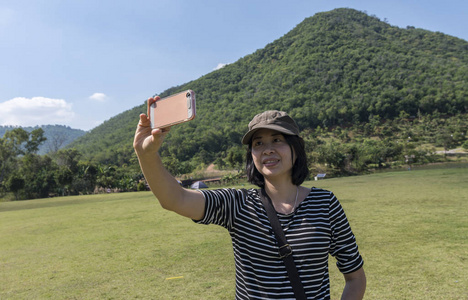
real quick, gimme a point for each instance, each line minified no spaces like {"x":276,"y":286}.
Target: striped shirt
{"x":318,"y":227}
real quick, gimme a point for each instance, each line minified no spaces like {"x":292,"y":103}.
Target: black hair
{"x":299,"y":172}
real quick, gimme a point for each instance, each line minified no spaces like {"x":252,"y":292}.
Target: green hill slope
{"x":336,"y":68}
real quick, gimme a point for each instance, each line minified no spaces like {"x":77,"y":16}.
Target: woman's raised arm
{"x":164,"y":186}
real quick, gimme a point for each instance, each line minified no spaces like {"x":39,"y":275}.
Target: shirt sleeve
{"x":221,"y":206}
{"x":343,"y":243}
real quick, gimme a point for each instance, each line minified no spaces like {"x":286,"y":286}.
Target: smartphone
{"x":172,"y":110}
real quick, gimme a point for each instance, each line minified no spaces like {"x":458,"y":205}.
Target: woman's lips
{"x":270,"y":162}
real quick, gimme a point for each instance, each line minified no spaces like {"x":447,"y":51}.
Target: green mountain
{"x":58,"y":136}
{"x":337,"y":68}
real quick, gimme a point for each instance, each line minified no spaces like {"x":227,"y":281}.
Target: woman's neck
{"x":281,"y":192}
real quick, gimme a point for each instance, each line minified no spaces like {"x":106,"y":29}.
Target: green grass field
{"x":411,"y":227}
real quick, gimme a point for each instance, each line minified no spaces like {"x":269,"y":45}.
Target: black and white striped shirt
{"x":318,"y":227}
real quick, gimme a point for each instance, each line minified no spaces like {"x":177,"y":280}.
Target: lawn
{"x":411,"y":228}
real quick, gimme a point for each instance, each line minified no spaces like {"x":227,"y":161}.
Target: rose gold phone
{"x":172,"y":110}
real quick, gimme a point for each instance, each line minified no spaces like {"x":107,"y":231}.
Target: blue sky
{"x":81,"y":62}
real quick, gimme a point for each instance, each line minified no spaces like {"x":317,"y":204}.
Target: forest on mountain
{"x":365,"y":94}
{"x":337,"y":68}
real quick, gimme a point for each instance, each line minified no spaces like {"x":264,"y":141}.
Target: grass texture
{"x":411,"y":228}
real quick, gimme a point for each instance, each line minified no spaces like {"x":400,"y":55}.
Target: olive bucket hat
{"x":271,"y":119}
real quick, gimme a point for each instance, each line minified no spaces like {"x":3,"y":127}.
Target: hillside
{"x":58,"y":136}
{"x":339,"y":68}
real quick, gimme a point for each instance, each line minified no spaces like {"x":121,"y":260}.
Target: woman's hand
{"x":147,"y":141}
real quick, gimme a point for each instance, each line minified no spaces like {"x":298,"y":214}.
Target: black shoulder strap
{"x":284,"y":250}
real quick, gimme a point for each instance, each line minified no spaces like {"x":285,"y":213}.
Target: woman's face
{"x":272,"y":154}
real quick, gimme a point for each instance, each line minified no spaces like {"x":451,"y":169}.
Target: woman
{"x":312,"y":219}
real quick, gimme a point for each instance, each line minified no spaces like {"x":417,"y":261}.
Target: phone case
{"x":172,"y":110}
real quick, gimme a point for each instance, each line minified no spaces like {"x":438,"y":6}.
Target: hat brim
{"x":248,"y":136}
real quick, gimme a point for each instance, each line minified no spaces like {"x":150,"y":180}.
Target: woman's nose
{"x":268,"y":149}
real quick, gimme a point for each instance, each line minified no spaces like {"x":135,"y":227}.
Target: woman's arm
{"x":164,"y":186}
{"x":355,"y":285}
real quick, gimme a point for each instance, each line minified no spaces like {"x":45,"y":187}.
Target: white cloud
{"x":220,"y":66}
{"x":100,"y":97}
{"x":34,"y":111}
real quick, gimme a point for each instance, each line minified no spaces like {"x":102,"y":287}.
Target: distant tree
{"x":56,"y":142}
{"x":85,"y":178}
{"x":445,"y":139}
{"x":15,"y":183}
{"x":235,"y":157}
{"x":35,"y":139}
{"x":69,"y":158}
{"x":10,"y":148}
{"x":6,"y":157}
{"x":333,"y":154}
{"x":64,"y":177}
{"x":15,"y":139}
{"x":39,"y":173}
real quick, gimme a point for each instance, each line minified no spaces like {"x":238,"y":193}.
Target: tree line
{"x":337,"y":151}
{"x":29,"y":175}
